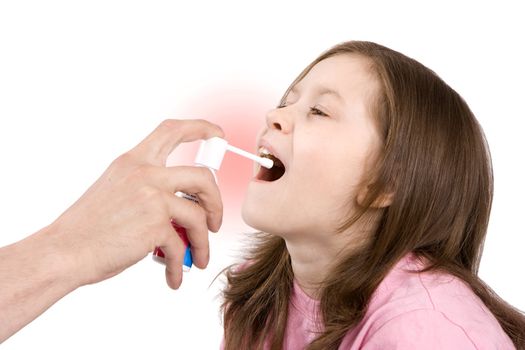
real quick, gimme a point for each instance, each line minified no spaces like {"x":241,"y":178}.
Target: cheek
{"x":325,"y":180}
{"x":332,"y":170}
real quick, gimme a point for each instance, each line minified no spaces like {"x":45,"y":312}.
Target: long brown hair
{"x":436,"y":161}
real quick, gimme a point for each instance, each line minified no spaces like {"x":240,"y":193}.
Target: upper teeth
{"x":263,"y":151}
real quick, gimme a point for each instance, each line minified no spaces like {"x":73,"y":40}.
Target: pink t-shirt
{"x":427,"y":310}
{"x":408,"y":311}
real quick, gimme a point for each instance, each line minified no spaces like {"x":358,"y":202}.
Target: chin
{"x":265,"y":212}
{"x":251,"y":215}
{"x":256,"y":217}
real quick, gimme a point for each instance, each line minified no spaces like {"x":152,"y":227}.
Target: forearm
{"x":122,"y":217}
{"x":34,"y":274}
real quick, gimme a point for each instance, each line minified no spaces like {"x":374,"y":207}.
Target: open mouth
{"x":273,"y":174}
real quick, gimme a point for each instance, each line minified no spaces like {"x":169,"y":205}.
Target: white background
{"x":83,"y":81}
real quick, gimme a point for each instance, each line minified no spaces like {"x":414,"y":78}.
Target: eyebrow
{"x":322,"y":91}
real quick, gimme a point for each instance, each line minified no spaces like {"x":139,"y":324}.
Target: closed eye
{"x":313,"y":110}
{"x":317,"y":111}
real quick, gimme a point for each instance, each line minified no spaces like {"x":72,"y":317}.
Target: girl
{"x":374,"y":216}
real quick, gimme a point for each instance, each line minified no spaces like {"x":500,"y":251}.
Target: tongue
{"x":277,"y":163}
{"x":275,"y":173}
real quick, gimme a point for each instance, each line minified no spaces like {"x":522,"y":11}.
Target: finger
{"x":173,"y":249}
{"x":194,"y":180}
{"x":192,"y":217}
{"x":156,"y":147}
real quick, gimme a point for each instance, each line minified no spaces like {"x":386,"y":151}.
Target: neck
{"x":312,"y":260}
{"x":310,"y":266}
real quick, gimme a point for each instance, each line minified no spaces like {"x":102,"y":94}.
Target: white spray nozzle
{"x":211,"y":154}
{"x":265,"y":162}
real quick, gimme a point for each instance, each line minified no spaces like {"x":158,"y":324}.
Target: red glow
{"x":240,"y":111}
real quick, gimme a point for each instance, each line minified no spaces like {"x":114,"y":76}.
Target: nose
{"x":280,"y":119}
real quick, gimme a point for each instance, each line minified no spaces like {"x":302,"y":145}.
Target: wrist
{"x":57,"y":259}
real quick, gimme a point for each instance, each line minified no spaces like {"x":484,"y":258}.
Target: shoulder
{"x":428,"y":310}
{"x":419,"y":329}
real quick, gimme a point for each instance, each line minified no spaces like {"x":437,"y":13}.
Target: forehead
{"x":347,"y":74}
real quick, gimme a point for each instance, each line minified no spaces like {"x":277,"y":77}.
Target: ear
{"x":382,"y":201}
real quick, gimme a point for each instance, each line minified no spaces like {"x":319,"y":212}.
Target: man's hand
{"x":122,"y":217}
{"x":126,"y":213}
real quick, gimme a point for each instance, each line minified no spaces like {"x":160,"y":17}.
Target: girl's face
{"x":325,"y":137}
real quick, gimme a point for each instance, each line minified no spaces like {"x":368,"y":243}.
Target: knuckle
{"x":206,"y":174}
{"x":202,"y":122}
{"x":123,"y":160}
{"x":169,"y":123}
{"x":119,"y":167}
{"x":211,"y":126}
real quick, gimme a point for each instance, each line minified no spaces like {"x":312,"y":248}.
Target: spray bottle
{"x":210,"y":155}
